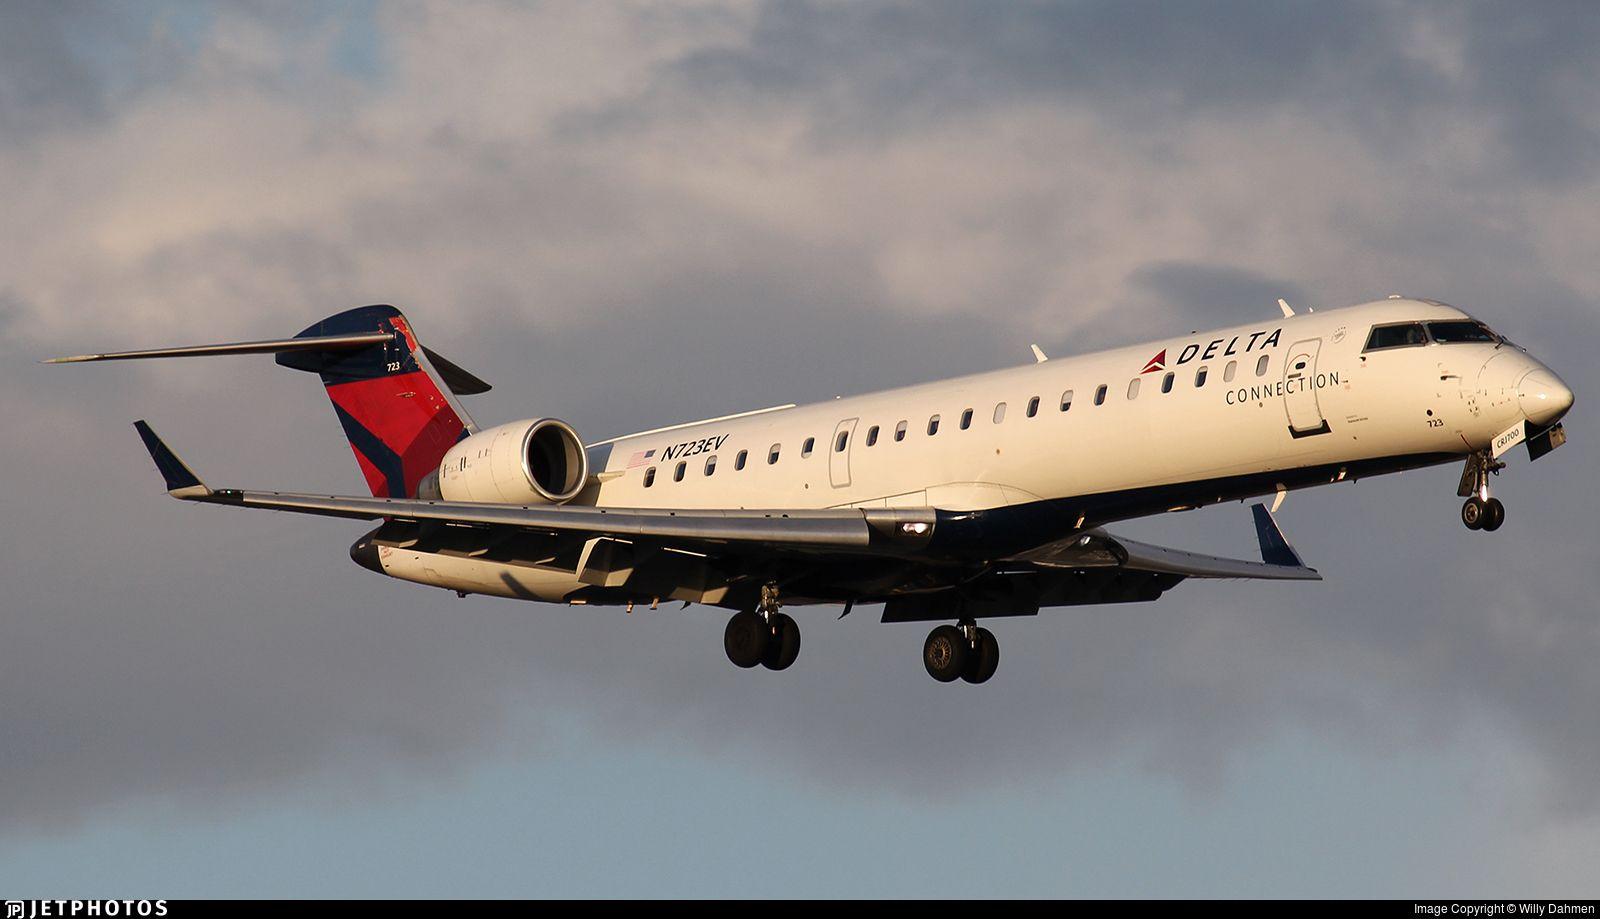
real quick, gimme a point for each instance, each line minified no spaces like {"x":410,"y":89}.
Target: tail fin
{"x":393,"y":397}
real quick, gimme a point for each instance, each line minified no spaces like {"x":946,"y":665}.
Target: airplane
{"x":955,"y":501}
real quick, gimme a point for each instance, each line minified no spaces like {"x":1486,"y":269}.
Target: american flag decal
{"x":640,"y":458}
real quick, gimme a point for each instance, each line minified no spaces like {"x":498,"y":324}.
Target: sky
{"x":628,"y":215}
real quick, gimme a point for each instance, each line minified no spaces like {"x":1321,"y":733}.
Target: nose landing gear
{"x":1481,"y":512}
{"x":962,"y":651}
{"x":762,"y":636}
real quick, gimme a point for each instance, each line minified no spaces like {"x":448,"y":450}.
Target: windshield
{"x":1456,"y":331}
{"x":1397,"y":335}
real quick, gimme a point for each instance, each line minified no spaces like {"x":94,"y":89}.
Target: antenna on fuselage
{"x":1287,"y":309}
{"x":1038,"y":355}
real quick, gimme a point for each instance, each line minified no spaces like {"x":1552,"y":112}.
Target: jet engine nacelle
{"x":524,"y":462}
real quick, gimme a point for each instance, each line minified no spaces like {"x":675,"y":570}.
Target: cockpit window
{"x":1449,"y":333}
{"x":1398,"y":335}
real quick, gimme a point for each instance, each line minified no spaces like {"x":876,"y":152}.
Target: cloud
{"x":627,"y":216}
{"x":44,"y":82}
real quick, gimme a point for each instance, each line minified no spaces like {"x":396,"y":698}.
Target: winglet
{"x":1275,"y":550}
{"x":181,"y":480}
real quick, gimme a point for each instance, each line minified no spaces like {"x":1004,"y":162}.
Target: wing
{"x":885,"y":531}
{"x":1095,"y":567}
{"x":722,"y":556}
{"x":1099,"y":549}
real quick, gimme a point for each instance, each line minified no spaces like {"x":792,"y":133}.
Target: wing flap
{"x":817,"y":528}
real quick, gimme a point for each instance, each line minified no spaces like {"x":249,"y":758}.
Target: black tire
{"x":945,"y":653}
{"x":1472,"y":513}
{"x":983,"y":660}
{"x":1494,"y":514}
{"x":783,"y":643}
{"x":746,"y":639}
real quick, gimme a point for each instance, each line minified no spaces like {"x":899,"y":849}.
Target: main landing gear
{"x":1481,"y":512}
{"x":762,"y":636}
{"x":963,"y":651}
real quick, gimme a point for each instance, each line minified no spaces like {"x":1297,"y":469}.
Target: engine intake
{"x":524,"y":462}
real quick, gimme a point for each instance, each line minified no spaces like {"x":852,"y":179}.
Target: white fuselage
{"x":1279,"y":395}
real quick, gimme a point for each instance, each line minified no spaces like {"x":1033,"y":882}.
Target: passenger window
{"x":677,"y":474}
{"x":872,"y":435}
{"x":1261,"y":366}
{"x":966,"y":419}
{"x":1227,"y":372}
{"x":711,"y":464}
{"x":1100,"y":395}
{"x":649,"y":477}
{"x":1200,"y":377}
{"x":772,"y":455}
{"x":1033,"y":406}
{"x":999,"y":413}
{"x":842,"y":440}
{"x":1166,"y":381}
{"x":738,"y":461}
{"x":805,"y":448}
{"x":900,"y":432}
{"x":1399,"y":335}
{"x":1133,"y":388}
{"x":933,"y":425}
{"x":1066,"y":400}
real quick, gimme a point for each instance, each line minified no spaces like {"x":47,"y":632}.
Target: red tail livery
{"x":391,"y":400}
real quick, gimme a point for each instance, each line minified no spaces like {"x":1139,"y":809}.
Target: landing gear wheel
{"x":945,"y":653}
{"x":1494,"y":514}
{"x":1473,"y":513}
{"x":746,"y":639}
{"x":783,"y":642}
{"x":983,"y":660}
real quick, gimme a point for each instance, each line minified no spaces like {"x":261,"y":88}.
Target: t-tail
{"x":394,"y":398}
{"x":392,"y":402}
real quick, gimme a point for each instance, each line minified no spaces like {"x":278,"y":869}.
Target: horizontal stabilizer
{"x":460,"y":381}
{"x":181,"y":480}
{"x":275,"y":346}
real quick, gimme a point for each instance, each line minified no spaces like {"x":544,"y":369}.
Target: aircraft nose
{"x":1543,"y":397}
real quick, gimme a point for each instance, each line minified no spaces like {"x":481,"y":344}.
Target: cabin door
{"x":1300,"y":390}
{"x":839,"y":452}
